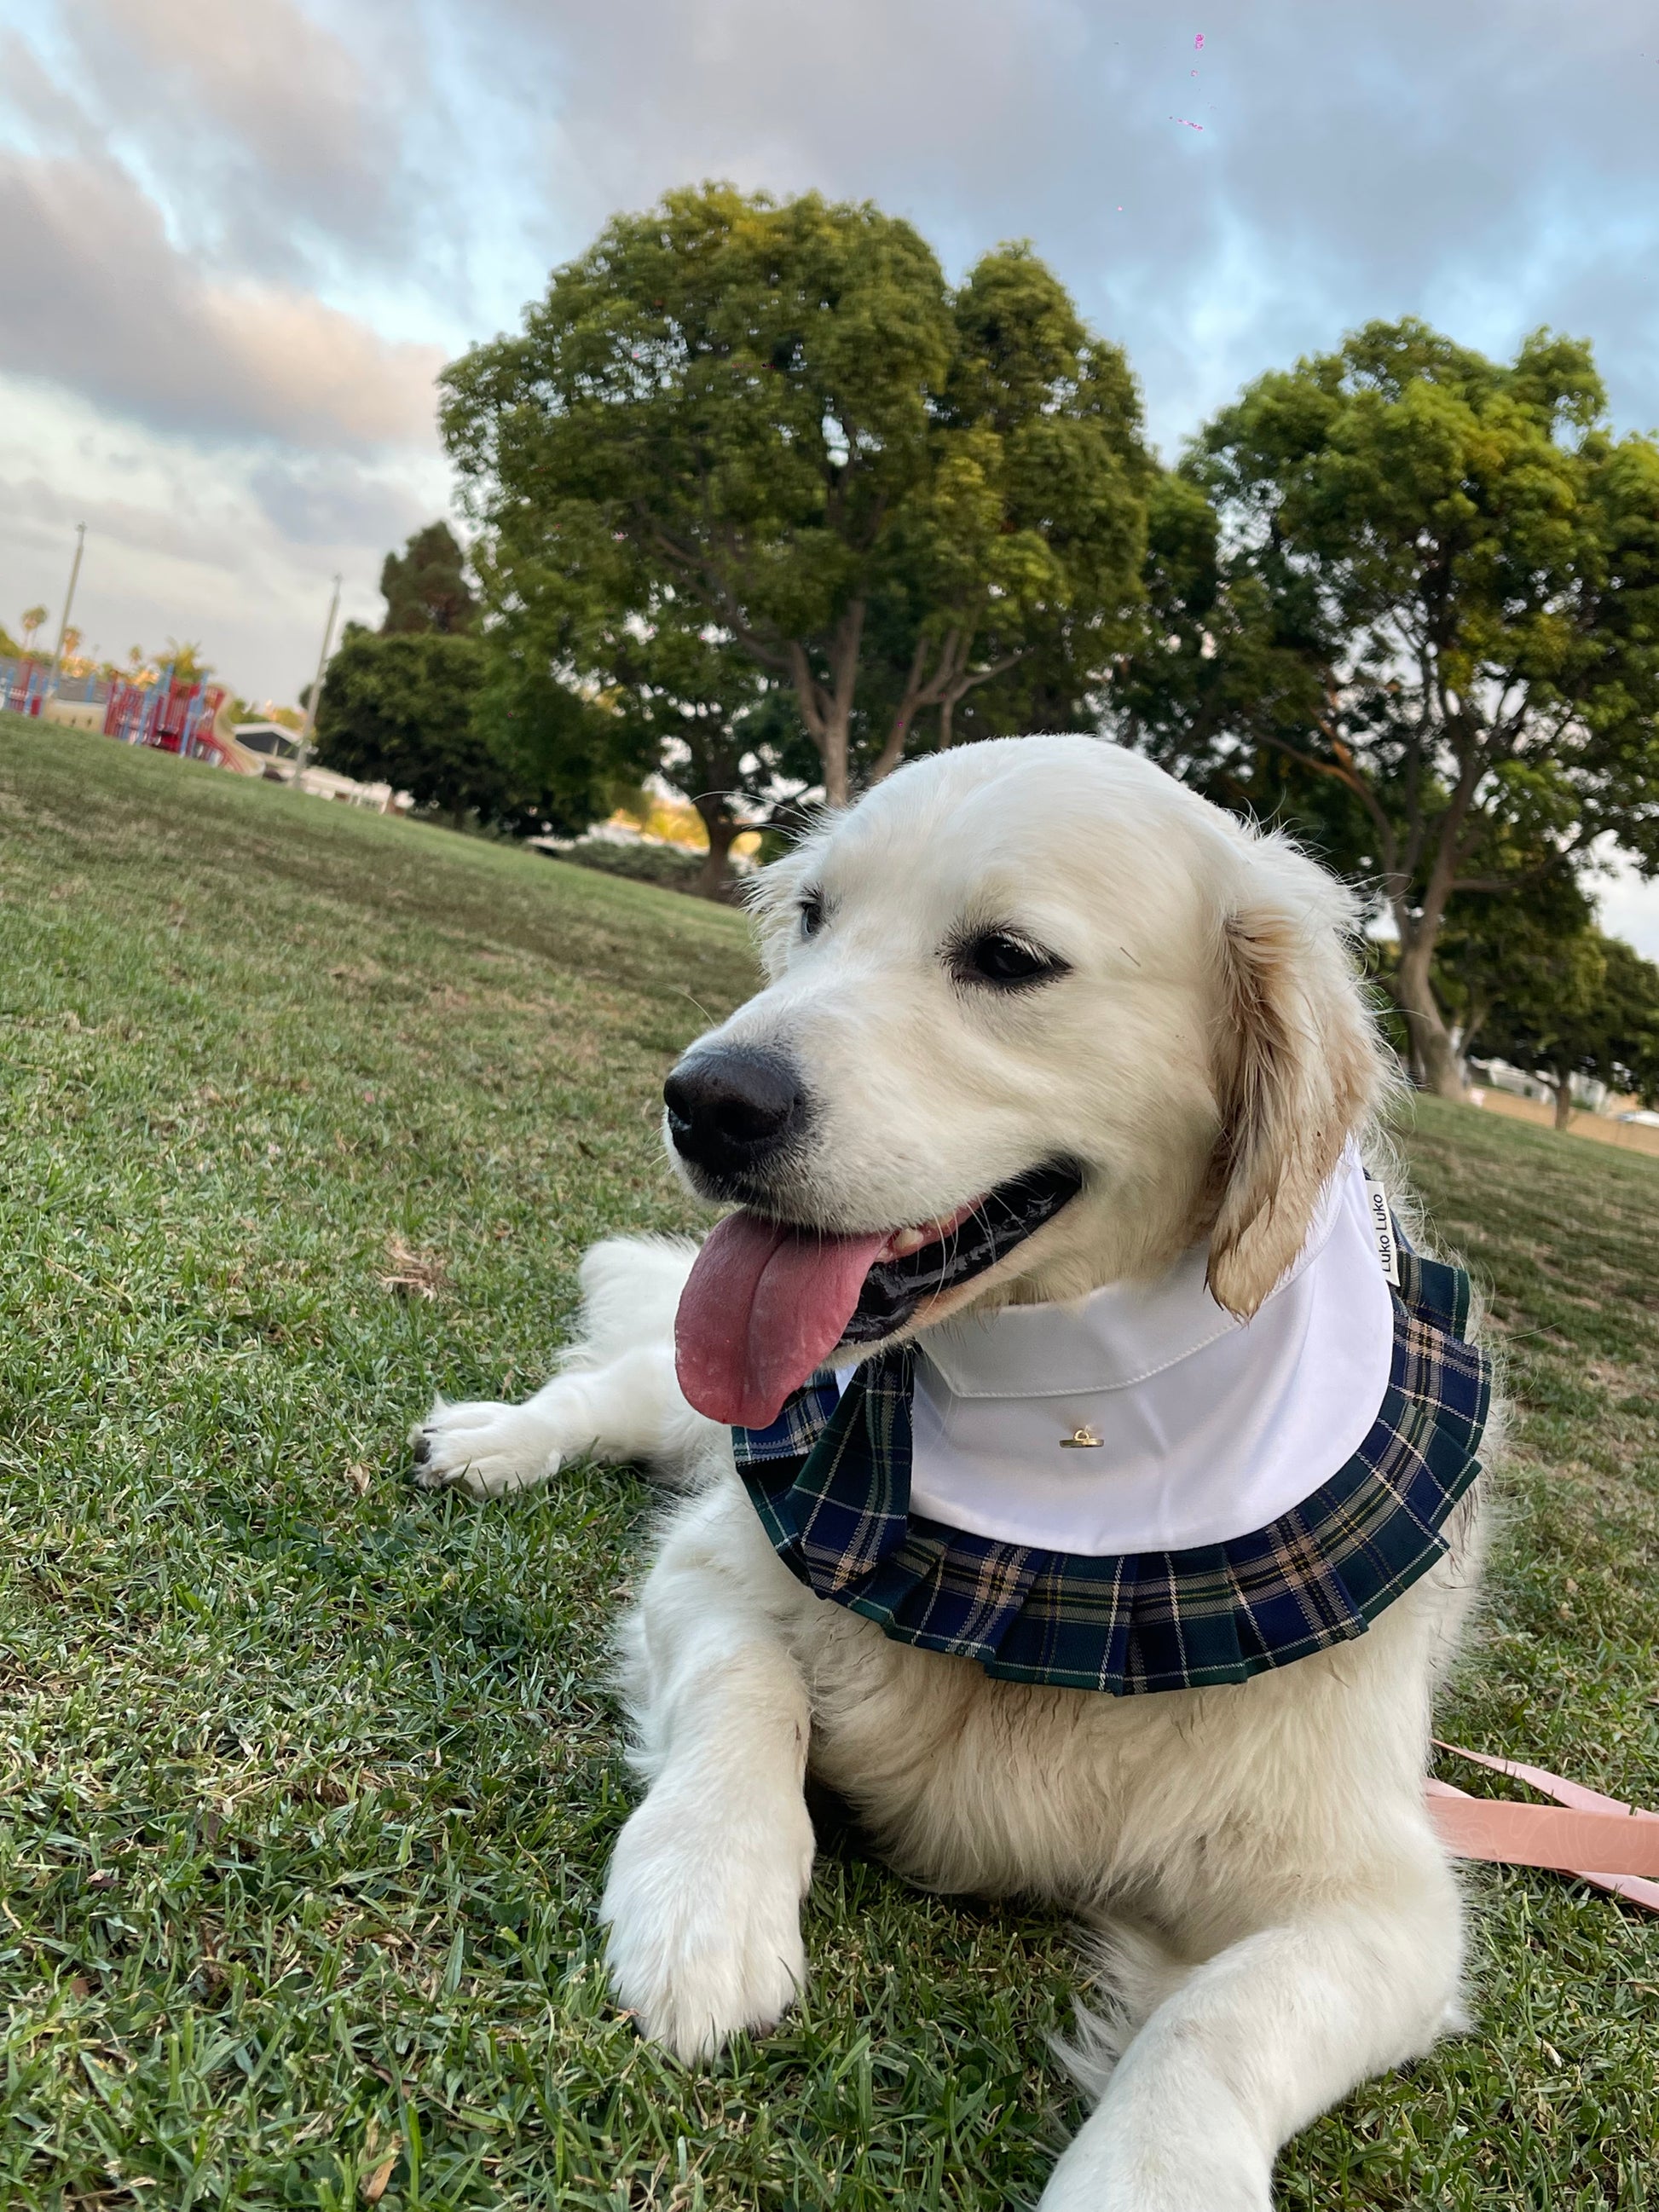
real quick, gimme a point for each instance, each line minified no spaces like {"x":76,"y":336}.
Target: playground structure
{"x":25,"y":685}
{"x":168,"y":714}
{"x":191,"y":720}
{"x":173,"y":717}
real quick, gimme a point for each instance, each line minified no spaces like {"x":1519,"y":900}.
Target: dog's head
{"x":1039,"y":1019}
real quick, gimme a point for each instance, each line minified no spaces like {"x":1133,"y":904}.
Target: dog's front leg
{"x":704,"y":1893}
{"x":615,"y":1397}
{"x":629,"y":1408}
{"x":1257,"y":2042}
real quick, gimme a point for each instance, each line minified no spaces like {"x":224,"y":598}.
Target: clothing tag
{"x":1383,"y":1229}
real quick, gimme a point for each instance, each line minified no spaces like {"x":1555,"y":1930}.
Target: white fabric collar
{"x":1208,"y":1427}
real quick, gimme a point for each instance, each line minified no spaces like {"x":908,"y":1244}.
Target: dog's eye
{"x":994,"y":956}
{"x":812,"y":912}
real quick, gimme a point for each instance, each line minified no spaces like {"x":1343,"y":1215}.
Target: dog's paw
{"x":704,"y":1914}
{"x":482,"y":1447}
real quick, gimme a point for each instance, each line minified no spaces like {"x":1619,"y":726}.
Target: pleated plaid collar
{"x":830,"y":1480}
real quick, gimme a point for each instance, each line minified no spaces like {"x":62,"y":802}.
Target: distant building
{"x":271,"y":739}
{"x":324,"y":783}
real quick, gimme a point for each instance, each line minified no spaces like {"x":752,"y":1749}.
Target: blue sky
{"x":236,"y":241}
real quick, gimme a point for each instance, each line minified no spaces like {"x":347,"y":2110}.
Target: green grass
{"x":309,"y":1779}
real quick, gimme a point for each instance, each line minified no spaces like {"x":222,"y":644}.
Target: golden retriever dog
{"x":1058,"y":1462}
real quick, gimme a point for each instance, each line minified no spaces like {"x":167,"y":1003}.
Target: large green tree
{"x":658,"y":685}
{"x":774,"y":426}
{"x":1410,"y":597}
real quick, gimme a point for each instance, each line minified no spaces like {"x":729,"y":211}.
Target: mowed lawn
{"x":310,"y":1779}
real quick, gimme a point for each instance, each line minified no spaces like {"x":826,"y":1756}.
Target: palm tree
{"x":33,"y":618}
{"x":186,"y":662}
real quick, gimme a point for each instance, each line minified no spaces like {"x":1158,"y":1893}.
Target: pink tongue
{"x":763,"y":1307}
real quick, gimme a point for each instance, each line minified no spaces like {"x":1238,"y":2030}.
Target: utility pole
{"x":312,"y":704}
{"x":69,"y":605}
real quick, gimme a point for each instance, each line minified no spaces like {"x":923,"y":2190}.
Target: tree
{"x":676,"y":694}
{"x":564,"y":755}
{"x":425,"y":586}
{"x":415,"y":712}
{"x":185,"y":661}
{"x":1577,"y":1005}
{"x":1413,"y":595}
{"x":32,"y":619}
{"x":1504,"y":950}
{"x":700,"y":708}
{"x":882,"y":495}
{"x":399,"y":710}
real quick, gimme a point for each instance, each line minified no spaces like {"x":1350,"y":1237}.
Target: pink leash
{"x":1620,"y":1840}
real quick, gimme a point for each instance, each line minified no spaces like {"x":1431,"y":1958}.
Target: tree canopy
{"x":772,"y":427}
{"x":425,"y":586}
{"x":413,"y":711}
{"x":1411,"y":596}
{"x":184,"y":658}
{"x":1492,"y":950}
{"x":1575,"y":1003}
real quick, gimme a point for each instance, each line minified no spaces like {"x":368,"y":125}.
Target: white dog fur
{"x":1274,"y":1919}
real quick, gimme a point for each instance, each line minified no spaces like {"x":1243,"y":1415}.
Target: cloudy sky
{"x":237,"y":240}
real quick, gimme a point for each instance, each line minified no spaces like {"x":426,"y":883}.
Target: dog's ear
{"x":1300,"y":1066}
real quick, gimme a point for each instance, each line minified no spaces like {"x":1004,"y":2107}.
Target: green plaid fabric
{"x":830,"y":1479}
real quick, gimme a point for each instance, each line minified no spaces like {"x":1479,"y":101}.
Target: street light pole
{"x":314,"y":701}
{"x":69,"y":605}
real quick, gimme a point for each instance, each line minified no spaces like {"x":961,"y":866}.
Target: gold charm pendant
{"x":1082,"y":1440}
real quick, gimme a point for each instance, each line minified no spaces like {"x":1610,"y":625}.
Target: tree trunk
{"x":827,"y":710}
{"x":949,"y":681}
{"x":1562,"y":1086}
{"x":714,"y":879}
{"x":1474,"y":1021}
{"x":918,"y":694}
{"x":833,"y":747}
{"x":1434,"y":1056}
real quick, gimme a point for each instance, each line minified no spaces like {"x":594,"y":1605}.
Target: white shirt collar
{"x":1207,"y":1427}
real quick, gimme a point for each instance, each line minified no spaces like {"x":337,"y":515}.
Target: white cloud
{"x":104,"y":305}
{"x":232,"y":548}
{"x":262,"y":131}
{"x":236,"y":241}
{"x":1468,"y":163}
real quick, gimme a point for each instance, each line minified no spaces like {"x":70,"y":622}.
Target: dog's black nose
{"x":732,"y":1108}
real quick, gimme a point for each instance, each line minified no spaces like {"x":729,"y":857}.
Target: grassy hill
{"x":310,"y":1780}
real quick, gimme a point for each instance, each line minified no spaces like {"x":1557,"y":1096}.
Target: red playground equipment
{"x":24,"y":685}
{"x":172,"y":716}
